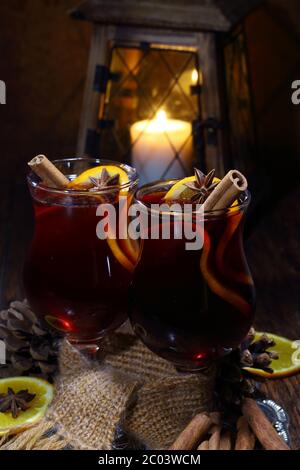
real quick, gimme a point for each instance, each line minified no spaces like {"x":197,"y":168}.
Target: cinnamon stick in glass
{"x":227,"y":191}
{"x":49,"y":174}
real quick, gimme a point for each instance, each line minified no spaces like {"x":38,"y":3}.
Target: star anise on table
{"x":15,"y":402}
{"x":104,"y":180}
{"x":202,"y":186}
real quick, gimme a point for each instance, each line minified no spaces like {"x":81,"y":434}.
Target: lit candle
{"x":152,"y":152}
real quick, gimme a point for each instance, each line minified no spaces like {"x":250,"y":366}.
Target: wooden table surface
{"x":273,"y":250}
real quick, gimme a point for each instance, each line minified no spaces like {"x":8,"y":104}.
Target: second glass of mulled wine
{"x":192,"y":306}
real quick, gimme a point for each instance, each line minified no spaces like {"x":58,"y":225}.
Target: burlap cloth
{"x":129,"y":387}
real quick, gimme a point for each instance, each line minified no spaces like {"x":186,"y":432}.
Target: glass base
{"x":89,"y":348}
{"x":191,"y":370}
{"x":201,"y":365}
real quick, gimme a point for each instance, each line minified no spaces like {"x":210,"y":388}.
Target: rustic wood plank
{"x":190,"y":15}
{"x":210,"y":97}
{"x":42,"y":66}
{"x":6,"y":204}
{"x":16,"y":240}
{"x":274,"y":256}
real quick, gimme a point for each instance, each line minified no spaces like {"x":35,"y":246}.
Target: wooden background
{"x":43,"y":62}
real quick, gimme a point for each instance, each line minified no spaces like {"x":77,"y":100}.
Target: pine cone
{"x":233,"y":383}
{"x":31,"y":348}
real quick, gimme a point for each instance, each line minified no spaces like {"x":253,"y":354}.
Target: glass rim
{"x":213,"y":213}
{"x":131,"y":172}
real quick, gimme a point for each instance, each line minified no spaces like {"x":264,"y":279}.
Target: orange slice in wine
{"x":180,"y":191}
{"x":84,"y":181}
{"x":227,"y":294}
{"x":125,"y":251}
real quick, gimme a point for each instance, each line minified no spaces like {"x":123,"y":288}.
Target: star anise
{"x":104,"y":180}
{"x":202,"y":186}
{"x":15,"y":402}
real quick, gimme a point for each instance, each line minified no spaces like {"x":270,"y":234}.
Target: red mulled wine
{"x":73,"y":280}
{"x":192,"y":306}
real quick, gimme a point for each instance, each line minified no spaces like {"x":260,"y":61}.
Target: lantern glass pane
{"x":151,"y":102}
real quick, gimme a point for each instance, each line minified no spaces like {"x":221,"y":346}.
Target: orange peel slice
{"x":215,"y":285}
{"x":124,"y":250}
{"x":288,"y":362}
{"x":83,"y":181}
{"x":224,"y":268}
{"x":179,"y":190}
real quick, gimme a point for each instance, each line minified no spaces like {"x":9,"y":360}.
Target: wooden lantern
{"x":161,"y":89}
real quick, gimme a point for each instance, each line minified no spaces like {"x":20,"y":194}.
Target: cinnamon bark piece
{"x":50,"y":175}
{"x":193,"y":433}
{"x":261,"y":426}
{"x":245,"y":439}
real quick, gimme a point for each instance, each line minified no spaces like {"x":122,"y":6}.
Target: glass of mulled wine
{"x":192,"y":306}
{"x":73,"y":280}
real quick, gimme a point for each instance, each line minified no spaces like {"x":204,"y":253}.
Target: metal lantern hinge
{"x":92,"y":142}
{"x":101,"y":78}
{"x":196,"y":89}
{"x":212,"y":126}
{"x":145,"y":46}
{"x":105,"y":123}
{"x":197,"y":130}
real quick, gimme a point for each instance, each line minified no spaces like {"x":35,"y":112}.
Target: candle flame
{"x":160,"y":124}
{"x":161,"y":116}
{"x":194,"y":76}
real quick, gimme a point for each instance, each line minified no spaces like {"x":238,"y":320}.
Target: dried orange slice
{"x":43,"y":392}
{"x":123,"y":250}
{"x":288,"y":362}
{"x":180,"y":191}
{"x":83,"y":181}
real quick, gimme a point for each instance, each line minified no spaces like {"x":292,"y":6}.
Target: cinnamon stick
{"x":203,"y":446}
{"x":261,"y":426}
{"x":215,"y":417}
{"x":226,"y":191}
{"x":245,"y":439}
{"x":214,"y":440}
{"x":49,"y":174}
{"x":225,"y":441}
{"x":193,"y":433}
